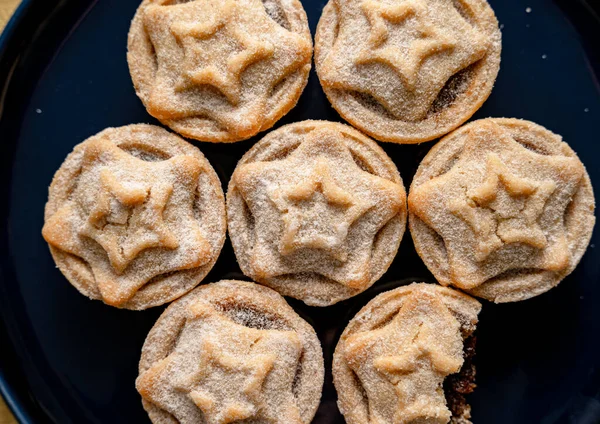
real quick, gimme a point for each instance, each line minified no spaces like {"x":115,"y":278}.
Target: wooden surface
{"x":5,"y":415}
{"x":6,"y":9}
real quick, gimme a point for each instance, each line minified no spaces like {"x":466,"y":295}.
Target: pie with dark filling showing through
{"x":230,"y":352}
{"x":407,"y":71}
{"x":219,"y":70}
{"x":316,"y":211}
{"x":407,"y":358}
{"x":502,"y":209}
{"x":135,"y":217}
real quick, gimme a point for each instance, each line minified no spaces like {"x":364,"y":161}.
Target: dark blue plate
{"x":66,"y":359}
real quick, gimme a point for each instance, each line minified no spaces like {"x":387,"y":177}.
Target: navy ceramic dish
{"x":66,"y":359}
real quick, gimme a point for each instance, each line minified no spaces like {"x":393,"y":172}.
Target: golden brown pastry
{"x":407,"y":71}
{"x":316,"y":210}
{"x":135,"y":217}
{"x":231,"y":352}
{"x":219,"y":70}
{"x":501,"y":208}
{"x":393,"y":359}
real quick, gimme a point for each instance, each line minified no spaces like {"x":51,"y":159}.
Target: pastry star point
{"x":216,"y":414}
{"x":377,"y":15}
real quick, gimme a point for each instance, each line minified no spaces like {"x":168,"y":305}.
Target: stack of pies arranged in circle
{"x":135,"y":217}
{"x":231,"y":352}
{"x":407,"y":71}
{"x":316,"y":210}
{"x":395,"y":356}
{"x":219,"y":70}
{"x":501,"y":208}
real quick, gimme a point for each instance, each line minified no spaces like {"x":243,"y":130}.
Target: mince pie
{"x":501,"y":208}
{"x":231,"y":352}
{"x":316,"y":210}
{"x":406,"y":357}
{"x":407,"y":71}
{"x":219,"y":70}
{"x":135,"y":217}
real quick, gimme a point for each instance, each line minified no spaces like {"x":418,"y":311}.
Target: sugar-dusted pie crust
{"x":395,"y":354}
{"x":407,"y":71}
{"x":501,"y":208}
{"x":219,"y":70}
{"x":316,"y":210}
{"x":135,"y":217}
{"x":229,"y":352}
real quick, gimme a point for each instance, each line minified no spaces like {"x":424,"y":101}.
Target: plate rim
{"x":11,"y":398}
{"x":15,"y":396}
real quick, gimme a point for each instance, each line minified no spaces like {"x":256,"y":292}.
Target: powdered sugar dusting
{"x":315,"y":225}
{"x":398,"y":88}
{"x":200,"y":362}
{"x":510,"y":218}
{"x":218,"y":70}
{"x":147,"y":230}
{"x":395,"y":354}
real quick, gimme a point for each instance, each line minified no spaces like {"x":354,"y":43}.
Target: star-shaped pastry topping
{"x":504,"y":209}
{"x":312,"y":206}
{"x":129,"y":219}
{"x":245,"y":377}
{"x":202,"y":44}
{"x":428,"y":42}
{"x":412,"y":354}
{"x":122,"y":219}
{"x":227,"y":371}
{"x":500,"y":207}
{"x":206,"y":47}
{"x":415,"y":46}
{"x":304,"y":207}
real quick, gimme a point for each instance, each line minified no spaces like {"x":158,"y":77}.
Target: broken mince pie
{"x":501,"y":208}
{"x":316,"y":210}
{"x":231,"y":352}
{"x":406,"y":357}
{"x":407,"y":71}
{"x":219,"y":70}
{"x":135,"y":217}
